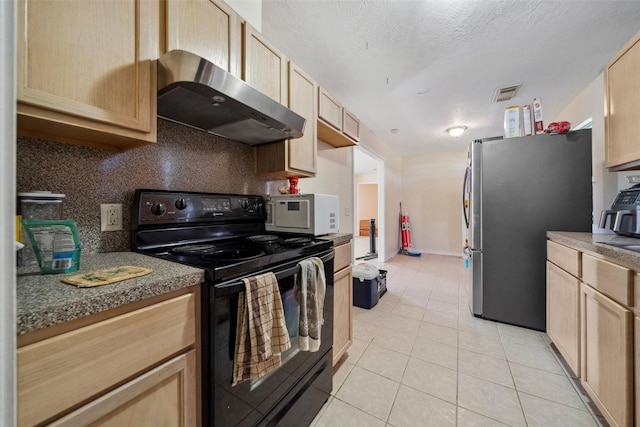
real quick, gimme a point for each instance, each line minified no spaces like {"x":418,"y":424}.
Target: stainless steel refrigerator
{"x":515,"y":190}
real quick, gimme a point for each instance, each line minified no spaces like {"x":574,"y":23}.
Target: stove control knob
{"x":244,"y":204}
{"x":258,"y":207}
{"x":158,"y":209}
{"x":181,"y":204}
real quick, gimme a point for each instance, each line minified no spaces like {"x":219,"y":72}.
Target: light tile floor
{"x":419,"y":358}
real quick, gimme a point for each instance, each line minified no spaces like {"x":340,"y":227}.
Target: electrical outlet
{"x":110,"y":217}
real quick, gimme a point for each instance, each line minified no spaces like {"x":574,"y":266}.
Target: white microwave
{"x":313,"y":214}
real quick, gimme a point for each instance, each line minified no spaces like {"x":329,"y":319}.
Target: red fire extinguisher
{"x":405,"y":229}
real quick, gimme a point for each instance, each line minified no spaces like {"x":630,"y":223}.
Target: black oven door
{"x":290,"y":395}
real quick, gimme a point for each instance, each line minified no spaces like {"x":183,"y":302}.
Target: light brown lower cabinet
{"x":342,"y":302}
{"x":133,"y":365}
{"x":607,"y":355}
{"x":563,"y":314}
{"x":136,"y":403}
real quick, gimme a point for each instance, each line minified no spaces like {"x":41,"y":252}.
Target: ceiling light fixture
{"x":456,"y":131}
{"x":423,"y":92}
{"x":395,"y":130}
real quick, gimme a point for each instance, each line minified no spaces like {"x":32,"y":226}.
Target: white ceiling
{"x":375,"y":55}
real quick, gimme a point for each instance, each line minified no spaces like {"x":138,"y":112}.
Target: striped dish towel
{"x":309,"y":289}
{"x":262,"y":333}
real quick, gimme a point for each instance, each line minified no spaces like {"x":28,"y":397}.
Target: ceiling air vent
{"x":505,"y":93}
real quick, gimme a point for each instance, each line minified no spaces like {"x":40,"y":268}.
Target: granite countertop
{"x":600,"y":244}
{"x":337,"y":238}
{"x":43,"y":300}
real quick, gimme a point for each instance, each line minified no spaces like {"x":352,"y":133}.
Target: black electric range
{"x":224,"y":235}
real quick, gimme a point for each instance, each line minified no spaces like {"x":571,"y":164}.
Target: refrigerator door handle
{"x":465,"y":206}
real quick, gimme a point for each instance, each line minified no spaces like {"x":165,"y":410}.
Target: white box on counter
{"x":512,"y":122}
{"x":537,"y":116}
{"x":527,"y":121}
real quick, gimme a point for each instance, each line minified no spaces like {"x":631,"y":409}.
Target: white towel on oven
{"x":261,"y":334}
{"x":309,"y":290}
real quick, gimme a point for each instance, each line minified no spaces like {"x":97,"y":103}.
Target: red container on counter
{"x":293,"y":185}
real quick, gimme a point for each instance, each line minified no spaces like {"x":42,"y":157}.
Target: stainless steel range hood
{"x":194,"y":92}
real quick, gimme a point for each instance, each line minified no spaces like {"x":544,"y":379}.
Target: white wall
{"x":390,"y":183}
{"x":590,"y":103}
{"x":359,"y":180}
{"x":250,"y":10}
{"x":432,"y":194}
{"x":334,"y":176}
{"x":367,"y":178}
{"x":7,"y":214}
{"x":367,"y":202}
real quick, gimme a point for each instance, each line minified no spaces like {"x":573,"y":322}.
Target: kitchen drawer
{"x":165,"y":393}
{"x":564,"y":257}
{"x":613,"y":280}
{"x":343,"y":257}
{"x":66,"y":370}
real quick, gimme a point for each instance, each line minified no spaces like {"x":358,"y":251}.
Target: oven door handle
{"x":237,"y":286}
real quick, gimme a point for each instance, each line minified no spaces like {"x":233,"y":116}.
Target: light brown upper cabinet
{"x":336,"y":126}
{"x":350,"y":125}
{"x":267,"y":69}
{"x":622,"y":94}
{"x":263,"y":66}
{"x":86,"y":73}
{"x":294,"y":157}
{"x":329,"y":109}
{"x":207,"y":28}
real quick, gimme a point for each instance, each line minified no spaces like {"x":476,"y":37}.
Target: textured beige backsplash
{"x":183,"y":159}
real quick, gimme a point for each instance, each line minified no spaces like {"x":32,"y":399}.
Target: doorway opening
{"x":368,"y":224}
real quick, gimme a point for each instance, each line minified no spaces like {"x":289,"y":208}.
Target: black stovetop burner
{"x":229,"y":258}
{"x":220,"y":233}
{"x":193,"y":250}
{"x":263,"y":239}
